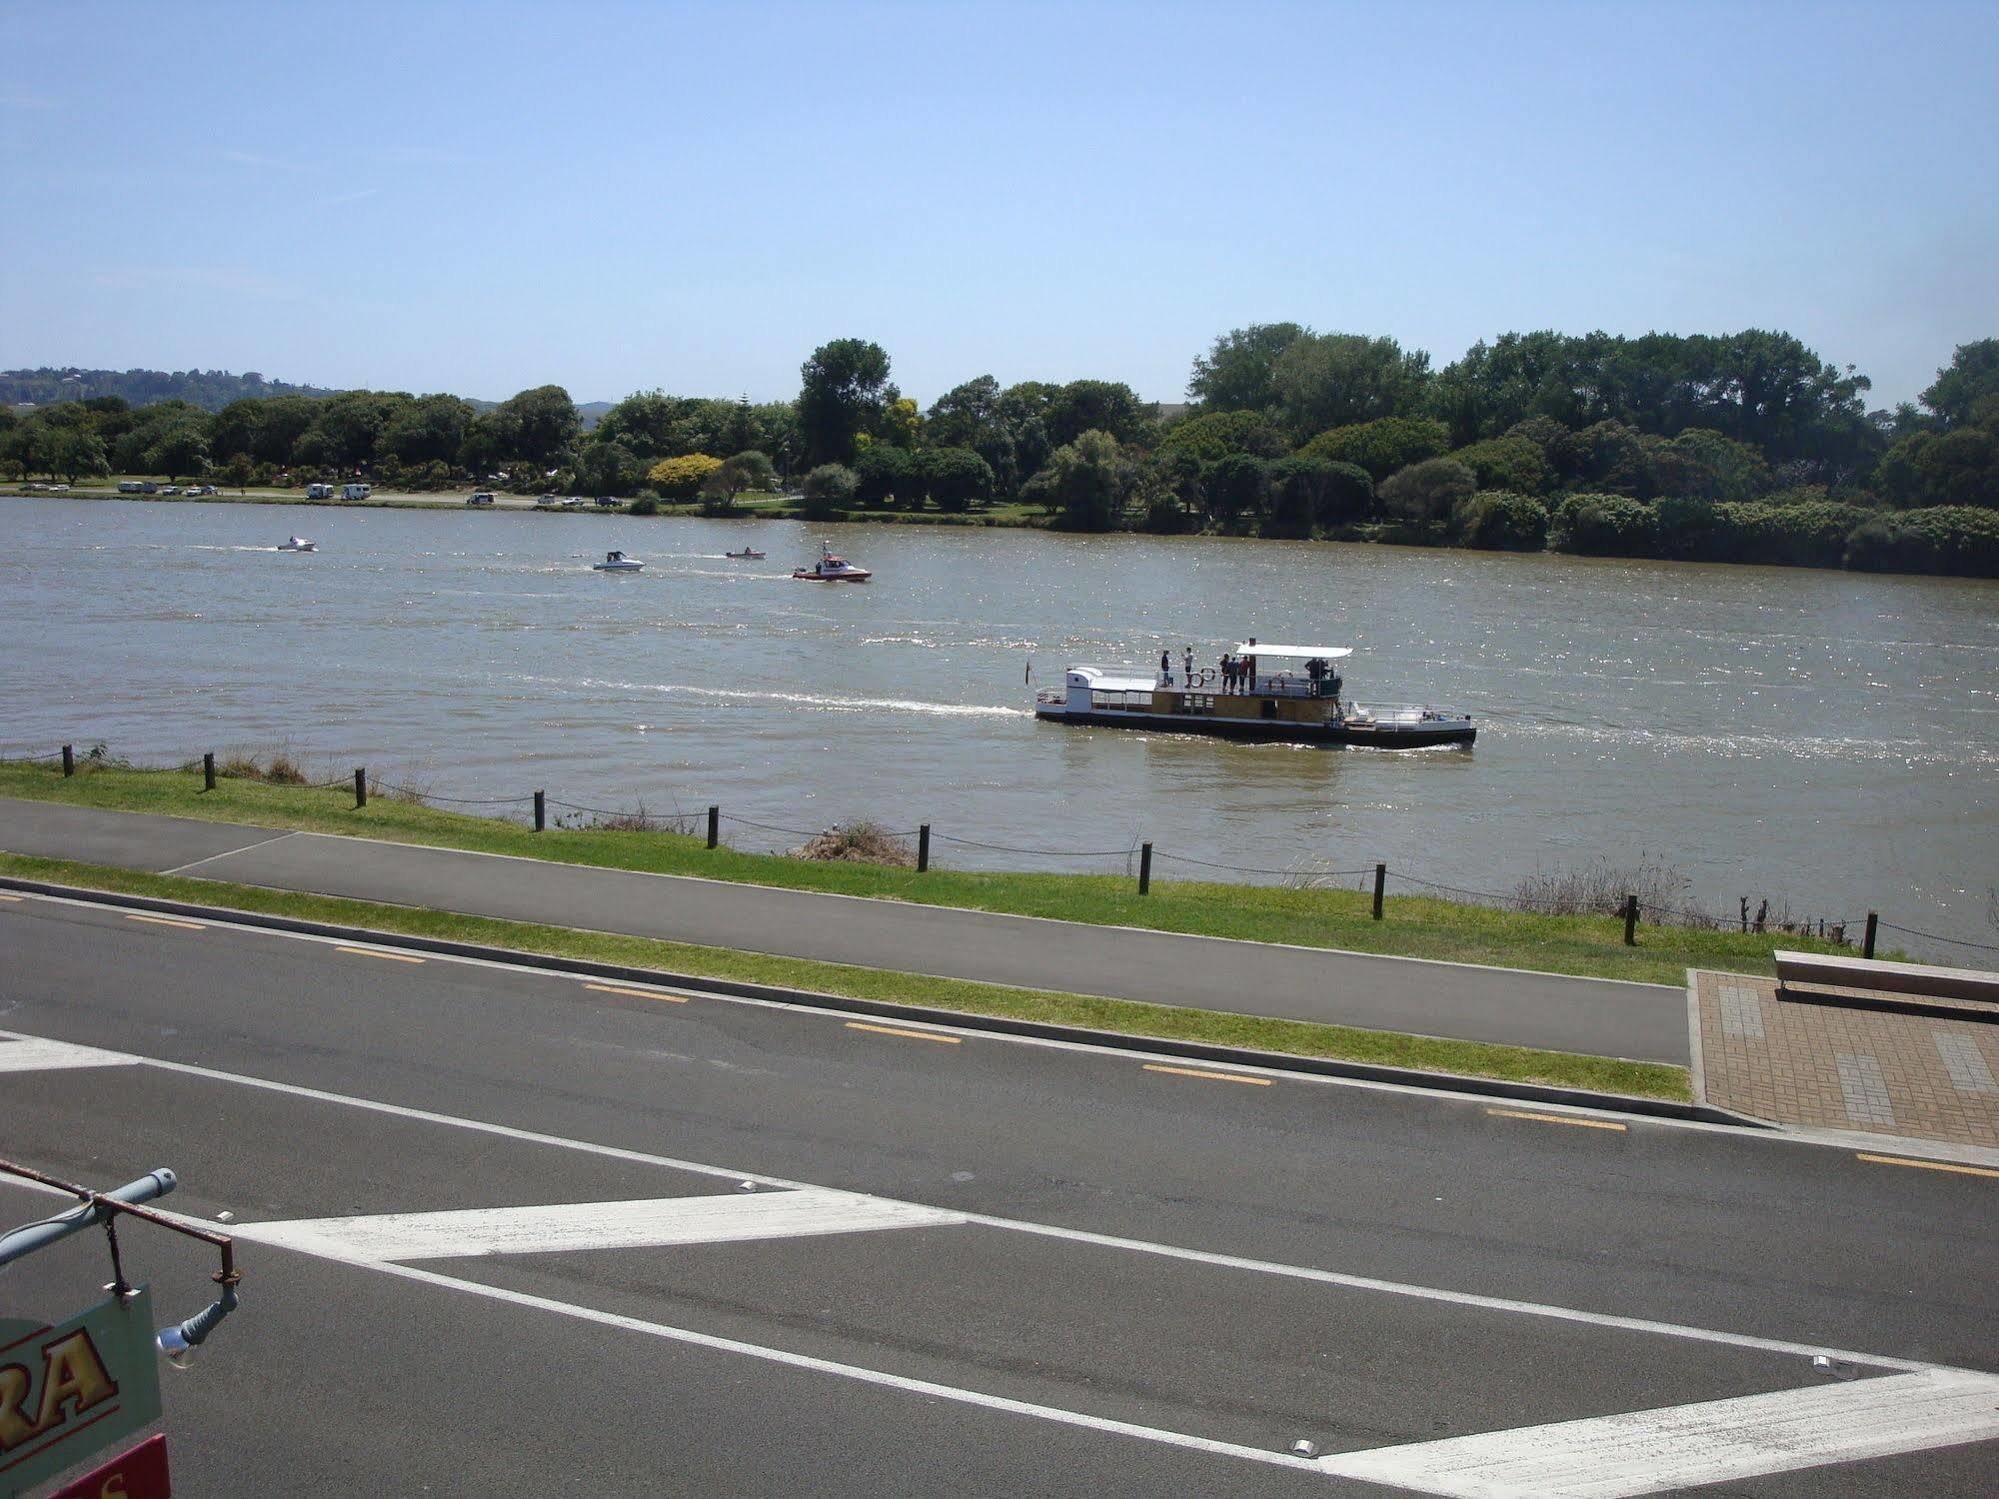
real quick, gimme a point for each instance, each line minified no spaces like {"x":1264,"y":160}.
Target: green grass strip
{"x":1415,"y":926}
{"x":1125,"y":1017}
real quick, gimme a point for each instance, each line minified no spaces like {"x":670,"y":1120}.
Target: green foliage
{"x":958,"y":478}
{"x":1348,"y":496}
{"x":77,"y":452}
{"x":1085,"y":483}
{"x":1237,"y":488}
{"x":1605,"y":525}
{"x":1957,"y":539}
{"x":1701,"y":464}
{"x":645,"y":504}
{"x":882,"y":470}
{"x":607,"y":468}
{"x":844,"y":388}
{"x":1238,"y":373}
{"x":828,"y":489}
{"x":1497,"y":521}
{"x":680,"y":478}
{"x":1427,"y":491}
{"x":1971,"y":376}
{"x":1296,"y":496}
{"x":1610,"y":458}
{"x":430,"y":429}
{"x":535,"y":426}
{"x":206,"y":390}
{"x":1096,"y":406}
{"x":1216,"y":434}
{"x":180,"y":449}
{"x":1556,"y":442}
{"x":1510,"y":463}
{"x":1324,"y":380}
{"x":1381,"y":447}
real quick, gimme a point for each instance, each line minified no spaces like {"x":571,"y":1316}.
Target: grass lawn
{"x":1296,"y":1038}
{"x":1415,"y":926}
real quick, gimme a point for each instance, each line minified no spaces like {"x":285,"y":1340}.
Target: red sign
{"x":138,"y":1474}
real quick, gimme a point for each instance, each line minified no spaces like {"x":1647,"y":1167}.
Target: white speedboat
{"x":299,"y":544}
{"x":831,"y":569}
{"x":618,"y":562}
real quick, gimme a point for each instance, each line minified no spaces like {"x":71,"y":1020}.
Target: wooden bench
{"x":1917,"y":988}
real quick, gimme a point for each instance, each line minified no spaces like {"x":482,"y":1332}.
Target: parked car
{"x":130,"y":486}
{"x":544,"y":502}
{"x":483,"y":497}
{"x":203,"y":489}
{"x":574,"y":502}
{"x":607,"y":502}
{"x":58,"y":489}
{"x":169,"y":489}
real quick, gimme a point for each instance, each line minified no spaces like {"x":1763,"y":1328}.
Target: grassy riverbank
{"x":1126,"y":1017}
{"x":1415,"y":926}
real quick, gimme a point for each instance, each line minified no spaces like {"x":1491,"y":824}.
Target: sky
{"x":478,"y":198}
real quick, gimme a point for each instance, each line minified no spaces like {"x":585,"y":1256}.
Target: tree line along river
{"x":1828,"y":741}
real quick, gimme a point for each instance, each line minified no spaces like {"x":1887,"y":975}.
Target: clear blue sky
{"x":477,"y":198}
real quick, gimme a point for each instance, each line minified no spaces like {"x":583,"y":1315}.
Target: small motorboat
{"x":299,"y":544}
{"x":832,"y":569}
{"x":747,"y":554}
{"x":618,"y":562}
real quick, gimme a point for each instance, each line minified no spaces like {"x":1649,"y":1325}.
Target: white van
{"x":319,"y":491}
{"x":357,"y":491}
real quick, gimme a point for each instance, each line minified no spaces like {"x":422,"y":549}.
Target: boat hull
{"x":1277,"y":731}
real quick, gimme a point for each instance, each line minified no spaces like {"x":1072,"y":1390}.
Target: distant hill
{"x":209,"y":389}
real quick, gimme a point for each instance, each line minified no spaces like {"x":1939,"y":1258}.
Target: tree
{"x":280,"y":423}
{"x":607,"y":468}
{"x":1381,"y":447}
{"x":1216,"y":434}
{"x":740,"y":471}
{"x":900,"y":423}
{"x":964,"y":414}
{"x":844,"y":386}
{"x":1348,"y":496}
{"x":1237,"y":487}
{"x":238,"y":472}
{"x":958,"y":478}
{"x":1498,"y":521}
{"x":181,"y":448}
{"x":536,"y":425}
{"x":1085,"y":483}
{"x":880,"y":472}
{"x":1338,"y":379}
{"x":1973,"y":373}
{"x":680,"y":478}
{"x":430,"y":429}
{"x":347,"y":427}
{"x":828,"y":489}
{"x":1238,"y":373}
{"x":1427,"y":491}
{"x":1297,"y":496}
{"x":1512,"y":464}
{"x":1096,"y":406}
{"x":77,"y":451}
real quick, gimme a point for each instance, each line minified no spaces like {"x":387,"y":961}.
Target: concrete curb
{"x":885,"y":1009}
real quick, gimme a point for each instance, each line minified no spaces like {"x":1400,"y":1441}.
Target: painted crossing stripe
{"x":649,"y":1223}
{"x":36,"y":1055}
{"x":1716,"y":1441}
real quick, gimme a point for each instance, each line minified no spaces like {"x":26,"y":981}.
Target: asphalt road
{"x":997,"y":1267}
{"x":1599,"y":1017}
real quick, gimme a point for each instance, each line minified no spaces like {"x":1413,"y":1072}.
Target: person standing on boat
{"x":1225,"y":672}
{"x":1166,"y":666}
{"x":1249,"y":667}
{"x":1188,"y":658}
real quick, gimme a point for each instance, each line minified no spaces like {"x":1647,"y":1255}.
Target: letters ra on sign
{"x":71,"y":1390}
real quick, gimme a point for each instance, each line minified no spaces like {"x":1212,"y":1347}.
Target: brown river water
{"x":1827,"y":741}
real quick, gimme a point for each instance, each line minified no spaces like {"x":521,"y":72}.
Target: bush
{"x":680,"y":478}
{"x":1958,"y":539}
{"x":828,"y":490}
{"x":1605,"y":525}
{"x":1513,"y":464}
{"x":1427,"y":491}
{"x":1381,"y":447}
{"x":1498,"y":521}
{"x":1217,"y":434}
{"x":1348,"y":497}
{"x":645,"y":504}
{"x":1812,"y":534}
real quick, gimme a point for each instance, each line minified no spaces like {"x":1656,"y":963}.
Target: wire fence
{"x":1596,"y":892}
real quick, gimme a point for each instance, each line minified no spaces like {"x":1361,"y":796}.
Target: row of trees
{"x":1290,"y":433}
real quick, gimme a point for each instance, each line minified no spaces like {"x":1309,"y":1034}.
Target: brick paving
{"x":1822,"y":1065}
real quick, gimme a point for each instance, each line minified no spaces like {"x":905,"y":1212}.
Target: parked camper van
{"x":357,"y":491}
{"x":319,"y":491}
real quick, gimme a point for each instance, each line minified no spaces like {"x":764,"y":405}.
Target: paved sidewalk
{"x":1879,"y":1071}
{"x":1602,"y":1017}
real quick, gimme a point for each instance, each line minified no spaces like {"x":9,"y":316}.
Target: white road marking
{"x":32,"y":1054}
{"x":227,"y":852}
{"x":1075,"y":1235}
{"x":1684,"y":1446}
{"x":557,"y":1227}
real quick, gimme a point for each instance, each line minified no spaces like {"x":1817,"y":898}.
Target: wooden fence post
{"x":1630,"y":921}
{"x":1145,"y":869}
{"x":714,"y":826}
{"x":1380,"y":883}
{"x":1867,"y":945}
{"x":360,"y":786}
{"x":69,"y":759}
{"x":923,"y":849}
{"x":208,"y":771}
{"x":540,"y":812}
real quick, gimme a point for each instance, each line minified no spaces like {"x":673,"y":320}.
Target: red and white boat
{"x":831,"y":569}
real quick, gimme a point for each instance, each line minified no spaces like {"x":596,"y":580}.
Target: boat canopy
{"x":1113,"y":678}
{"x":1302,"y":652}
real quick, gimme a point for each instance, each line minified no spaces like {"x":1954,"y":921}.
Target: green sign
{"x":67,"y":1391}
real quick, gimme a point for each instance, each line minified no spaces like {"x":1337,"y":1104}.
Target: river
{"x":1827,"y":741}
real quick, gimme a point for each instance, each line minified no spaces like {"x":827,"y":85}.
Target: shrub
{"x":958,"y":478}
{"x":1499,"y":521}
{"x":1957,"y":539}
{"x":828,"y":490}
{"x":1605,"y":525}
{"x":1381,"y":447}
{"x":645,"y":504}
{"x":1508,"y":463}
{"x":1427,"y":491}
{"x":1810,"y":534}
{"x":1348,"y":497}
{"x":1216,"y":434}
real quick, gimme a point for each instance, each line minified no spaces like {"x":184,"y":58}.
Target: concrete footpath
{"x":1603,"y":1017}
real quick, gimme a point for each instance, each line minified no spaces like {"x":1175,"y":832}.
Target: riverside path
{"x":1601,"y":1017}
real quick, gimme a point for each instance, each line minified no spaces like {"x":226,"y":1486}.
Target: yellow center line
{"x":889,"y":1030}
{"x":369,"y":952}
{"x":1220,"y":1077}
{"x":672,"y":999}
{"x":1896,"y":1160}
{"x":186,"y":926}
{"x":1556,"y":1119}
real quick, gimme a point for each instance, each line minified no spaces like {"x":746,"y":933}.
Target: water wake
{"x":804,"y":699}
